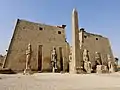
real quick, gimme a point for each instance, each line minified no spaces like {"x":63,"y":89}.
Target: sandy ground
{"x":57,"y":81}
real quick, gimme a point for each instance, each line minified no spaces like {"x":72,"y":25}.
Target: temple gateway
{"x":43,"y":48}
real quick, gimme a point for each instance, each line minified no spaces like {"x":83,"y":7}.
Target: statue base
{"x":27,"y":72}
{"x":79,"y":70}
{"x":102,"y":69}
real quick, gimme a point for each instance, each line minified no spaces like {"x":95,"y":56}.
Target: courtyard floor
{"x":57,"y":81}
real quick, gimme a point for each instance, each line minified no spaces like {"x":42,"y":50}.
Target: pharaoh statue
{"x":100,"y":67}
{"x":110,"y":64}
{"x":98,"y":63}
{"x":116,"y":64}
{"x":70,"y":54}
{"x":116,"y":61}
{"x":28,"y":57}
{"x":54,"y":60}
{"x":98,"y":58}
{"x":87,"y":64}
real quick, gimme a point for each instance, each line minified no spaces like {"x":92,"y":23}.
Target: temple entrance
{"x":61,"y":58}
{"x":40,"y":57}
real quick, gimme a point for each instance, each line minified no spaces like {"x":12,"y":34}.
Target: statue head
{"x":96,"y":52}
{"x":85,"y":51}
{"x":54,"y":48}
{"x":29,"y":46}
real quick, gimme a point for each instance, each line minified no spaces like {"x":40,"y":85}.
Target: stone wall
{"x":1,"y":60}
{"x":36,"y":34}
{"x":96,"y":43}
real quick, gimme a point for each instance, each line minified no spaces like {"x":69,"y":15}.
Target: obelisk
{"x":75,"y":63}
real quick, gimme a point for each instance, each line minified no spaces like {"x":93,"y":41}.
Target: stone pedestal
{"x":112,"y":70}
{"x":27,"y":72}
{"x":6,"y":71}
{"x":88,"y":67}
{"x":101,"y":69}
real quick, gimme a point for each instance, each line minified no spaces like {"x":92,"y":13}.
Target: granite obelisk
{"x":75,"y":63}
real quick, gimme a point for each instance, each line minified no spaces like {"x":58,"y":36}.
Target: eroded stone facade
{"x":1,"y":60}
{"x":42,"y":39}
{"x":96,"y":43}
{"x":98,"y":47}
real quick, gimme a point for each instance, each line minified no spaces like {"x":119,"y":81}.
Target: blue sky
{"x":97,"y":16}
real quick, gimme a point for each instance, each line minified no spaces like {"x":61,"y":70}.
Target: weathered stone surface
{"x":1,"y":60}
{"x":95,"y":43}
{"x":75,"y":63}
{"x":43,"y":37}
{"x":36,"y":34}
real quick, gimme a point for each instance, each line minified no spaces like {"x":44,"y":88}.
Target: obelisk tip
{"x":74,"y":10}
